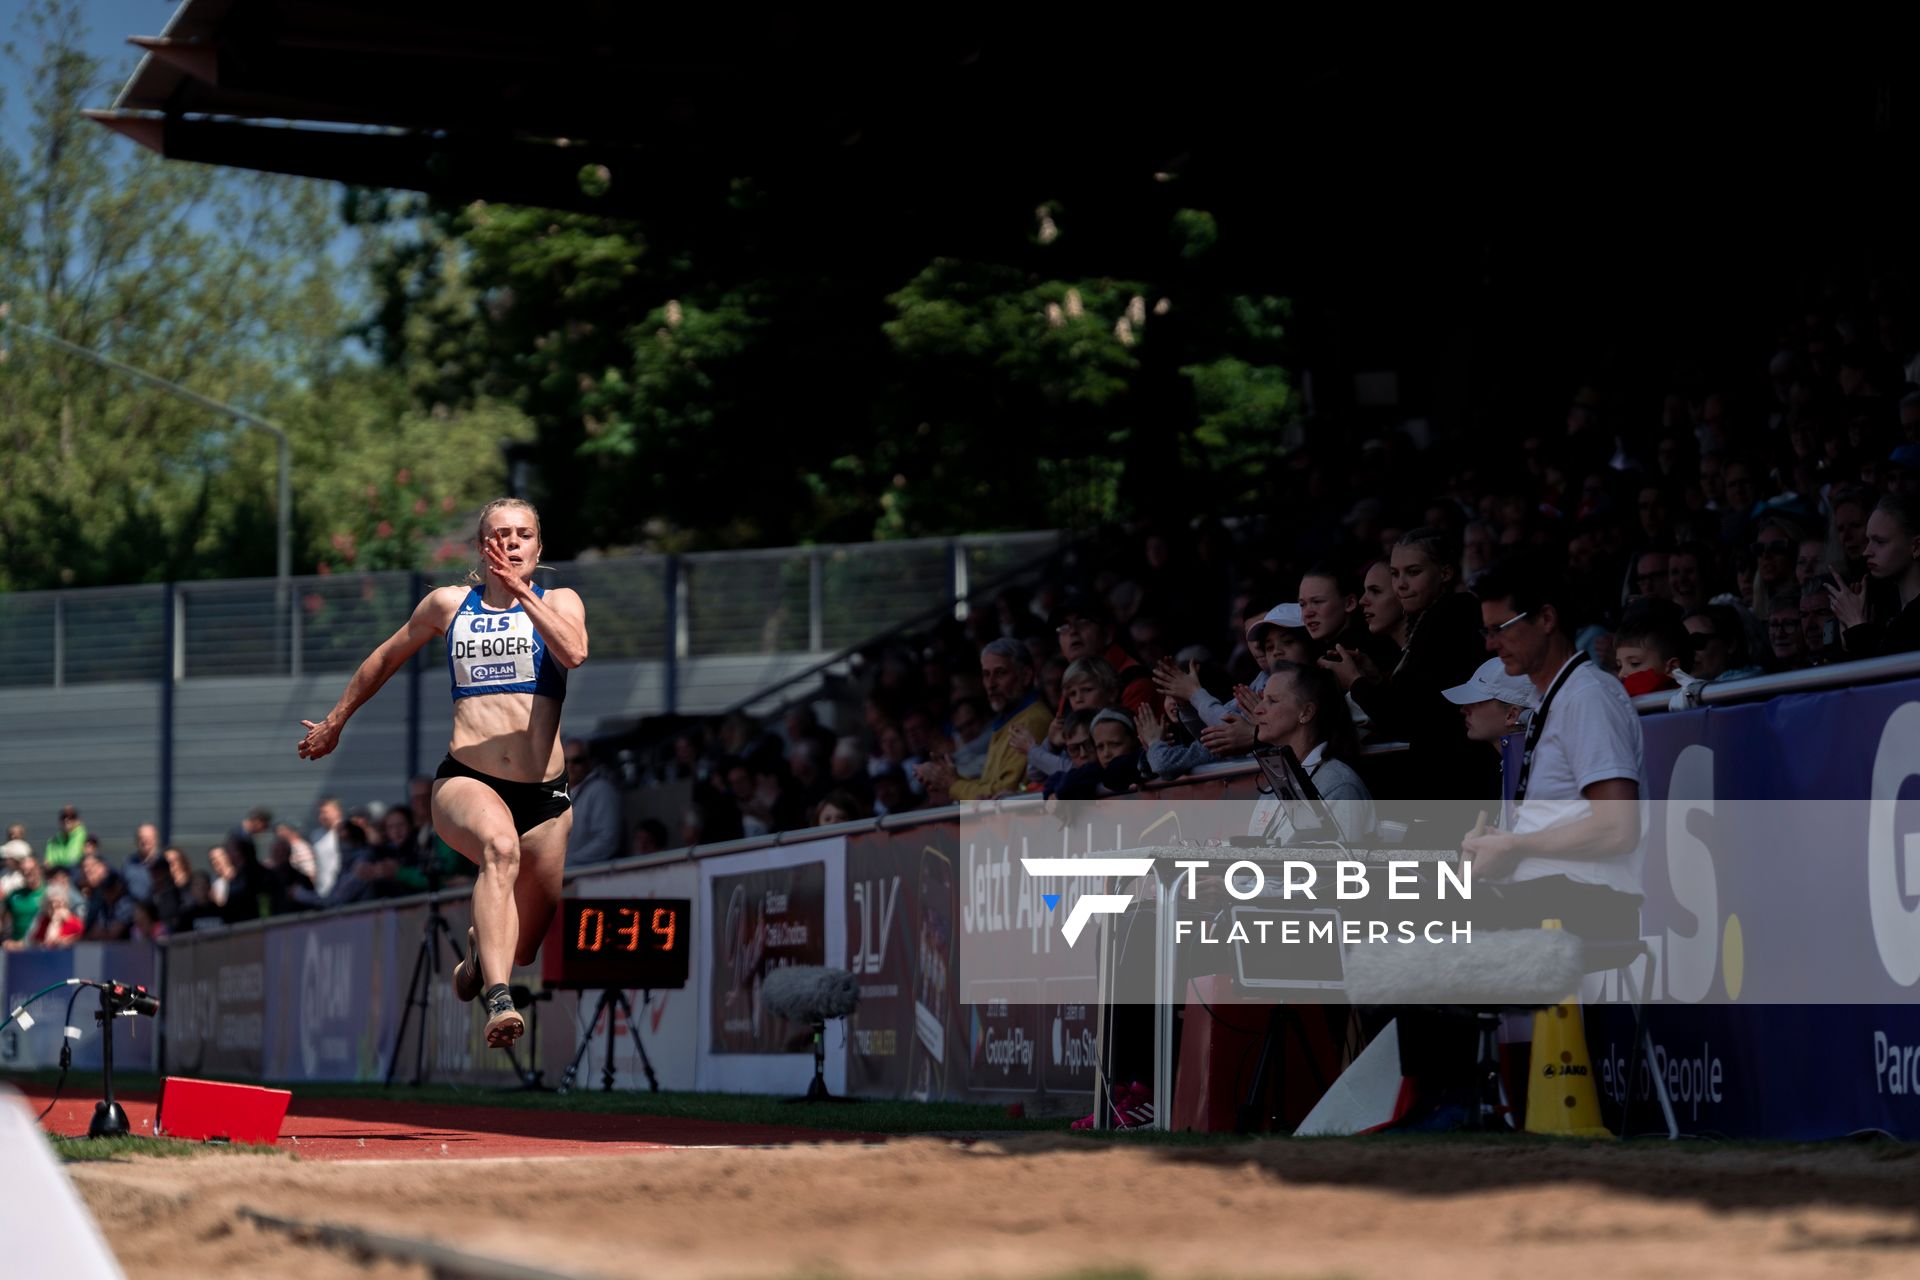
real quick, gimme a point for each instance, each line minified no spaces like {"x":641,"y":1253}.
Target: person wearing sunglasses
{"x":1572,"y":850}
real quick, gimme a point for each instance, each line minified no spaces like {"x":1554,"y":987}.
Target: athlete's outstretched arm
{"x":427,"y":622}
{"x":559,"y":616}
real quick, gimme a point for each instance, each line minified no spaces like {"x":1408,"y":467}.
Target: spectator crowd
{"x":75,"y":887}
{"x":1721,"y":530}
{"x":1717,"y":531}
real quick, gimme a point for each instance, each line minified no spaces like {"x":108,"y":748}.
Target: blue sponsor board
{"x":1783,"y":902}
{"x":333,"y":985}
{"x":38,"y":1047}
{"x":1798,"y":1073}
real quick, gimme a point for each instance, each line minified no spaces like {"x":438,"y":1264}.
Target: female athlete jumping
{"x":500,"y":797}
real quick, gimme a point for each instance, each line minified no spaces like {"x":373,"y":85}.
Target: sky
{"x":108,"y":23}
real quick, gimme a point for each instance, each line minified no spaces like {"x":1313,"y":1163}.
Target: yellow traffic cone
{"x":1561,"y":1098}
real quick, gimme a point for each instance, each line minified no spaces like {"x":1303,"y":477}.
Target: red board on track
{"x":200,"y":1109}
{"x":401,"y":1129}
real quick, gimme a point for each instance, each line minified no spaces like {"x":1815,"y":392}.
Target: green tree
{"x":1096,"y":397}
{"x":744,"y":389}
{"x":227,"y":283}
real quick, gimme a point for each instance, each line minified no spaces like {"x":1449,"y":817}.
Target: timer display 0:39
{"x":622,"y":943}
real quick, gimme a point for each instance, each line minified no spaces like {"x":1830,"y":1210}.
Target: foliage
{"x":232,"y":285}
{"x":723,"y":374}
{"x":737,"y":391}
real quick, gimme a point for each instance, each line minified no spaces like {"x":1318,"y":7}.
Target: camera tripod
{"x":426,"y":974}
{"x":610,"y":1000}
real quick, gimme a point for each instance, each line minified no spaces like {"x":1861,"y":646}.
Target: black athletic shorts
{"x":530,"y":803}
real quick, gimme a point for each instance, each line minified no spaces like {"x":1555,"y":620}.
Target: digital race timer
{"x":619,"y":943}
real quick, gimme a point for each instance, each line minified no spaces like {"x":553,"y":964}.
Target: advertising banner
{"x":883,"y":929}
{"x":456,"y":1046}
{"x":136,"y":1041}
{"x":914,"y":1036}
{"x":213,"y":1004}
{"x":1786,"y":933}
{"x":757,"y":911}
{"x":333,"y":1014}
{"x":37,"y":1046}
{"x":765,"y":919}
{"x":1785,"y":937}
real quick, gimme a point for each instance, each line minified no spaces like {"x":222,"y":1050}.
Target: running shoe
{"x":504,"y":1023}
{"x":466,"y":974}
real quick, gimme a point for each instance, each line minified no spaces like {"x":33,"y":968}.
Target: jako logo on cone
{"x":1561,"y":1097}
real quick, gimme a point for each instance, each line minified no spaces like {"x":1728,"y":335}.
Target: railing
{"x":786,"y":600}
{"x":967,"y":575}
{"x":1837,"y":675}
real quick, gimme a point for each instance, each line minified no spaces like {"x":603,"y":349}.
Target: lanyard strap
{"x":1538,"y":726}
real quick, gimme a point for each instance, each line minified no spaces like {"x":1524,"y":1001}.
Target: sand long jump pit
{"x":695,"y":1204}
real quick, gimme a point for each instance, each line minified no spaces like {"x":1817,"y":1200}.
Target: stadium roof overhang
{"x":606,"y":106}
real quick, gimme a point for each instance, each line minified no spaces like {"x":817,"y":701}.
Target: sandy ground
{"x":1042,"y":1207}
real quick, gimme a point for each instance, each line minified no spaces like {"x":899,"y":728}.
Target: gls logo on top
{"x":1088,"y":905}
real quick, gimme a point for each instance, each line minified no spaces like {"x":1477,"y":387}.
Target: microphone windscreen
{"x":810,"y":993}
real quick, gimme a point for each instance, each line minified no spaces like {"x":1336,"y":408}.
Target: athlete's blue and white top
{"x":499,"y":651}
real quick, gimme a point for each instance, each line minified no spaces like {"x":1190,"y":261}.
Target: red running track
{"x":399,"y":1129}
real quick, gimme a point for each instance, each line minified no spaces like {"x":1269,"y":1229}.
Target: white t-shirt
{"x":1592,"y":735}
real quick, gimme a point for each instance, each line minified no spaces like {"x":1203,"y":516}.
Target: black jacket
{"x":1899,"y":633}
{"x":1444,"y":650}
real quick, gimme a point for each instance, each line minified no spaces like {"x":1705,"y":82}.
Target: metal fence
{"x":787,"y":600}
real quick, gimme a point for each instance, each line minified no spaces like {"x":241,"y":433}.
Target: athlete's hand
{"x":502,"y":568}
{"x":321,"y":738}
